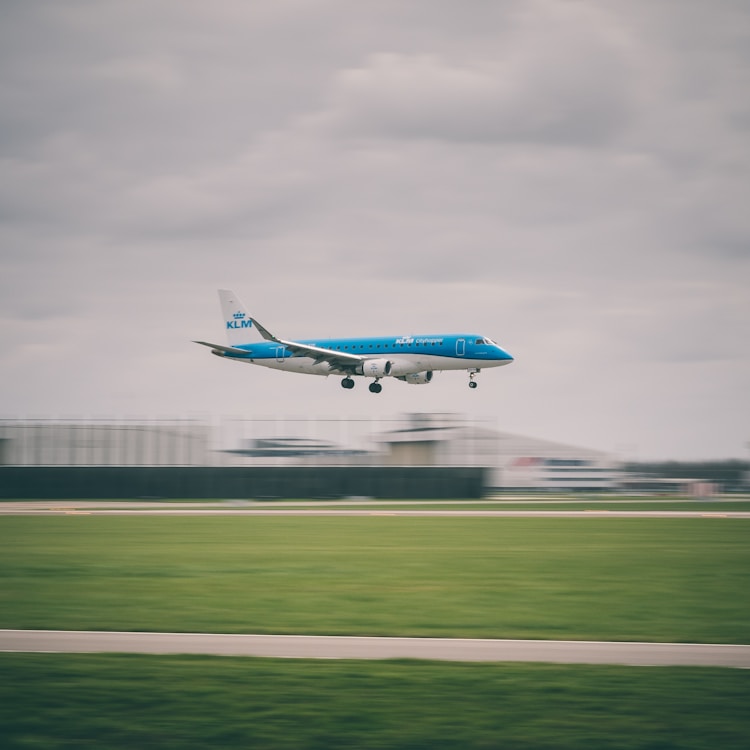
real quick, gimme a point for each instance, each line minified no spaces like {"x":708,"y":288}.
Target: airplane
{"x":412,"y":359}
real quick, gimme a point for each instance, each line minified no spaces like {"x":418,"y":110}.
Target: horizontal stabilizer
{"x":231,"y":350}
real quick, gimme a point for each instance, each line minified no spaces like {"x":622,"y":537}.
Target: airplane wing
{"x":225,"y":349}
{"x":337,"y":360}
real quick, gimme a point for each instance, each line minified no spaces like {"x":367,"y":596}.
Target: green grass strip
{"x":110,"y":702}
{"x":682,"y":580}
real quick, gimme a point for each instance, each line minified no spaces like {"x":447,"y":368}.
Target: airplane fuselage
{"x":411,"y":358}
{"x":408,"y":355}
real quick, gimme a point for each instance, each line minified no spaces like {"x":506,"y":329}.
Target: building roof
{"x":505,"y":442}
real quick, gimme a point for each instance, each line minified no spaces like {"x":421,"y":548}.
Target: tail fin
{"x":238,"y":324}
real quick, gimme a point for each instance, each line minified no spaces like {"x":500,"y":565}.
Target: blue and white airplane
{"x":412,"y":359}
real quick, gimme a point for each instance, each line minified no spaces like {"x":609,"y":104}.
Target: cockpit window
{"x":489,"y":341}
{"x":480,"y":341}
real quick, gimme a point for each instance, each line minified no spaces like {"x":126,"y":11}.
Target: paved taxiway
{"x":350,"y":647}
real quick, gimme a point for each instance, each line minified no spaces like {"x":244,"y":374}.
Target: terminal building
{"x":509,"y":461}
{"x":513,"y":461}
{"x":83,"y":442}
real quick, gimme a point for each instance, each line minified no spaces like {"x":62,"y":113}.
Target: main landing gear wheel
{"x":347,"y":383}
{"x":375,"y":387}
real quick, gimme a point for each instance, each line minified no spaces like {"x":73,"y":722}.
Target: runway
{"x":352,"y":647}
{"x":157,"y":508}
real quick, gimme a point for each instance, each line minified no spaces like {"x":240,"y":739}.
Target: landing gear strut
{"x":375,"y":387}
{"x":472,"y":382}
{"x":347,"y":383}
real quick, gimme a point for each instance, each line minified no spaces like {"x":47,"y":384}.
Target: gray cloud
{"x":570,"y":178}
{"x":561,"y":77}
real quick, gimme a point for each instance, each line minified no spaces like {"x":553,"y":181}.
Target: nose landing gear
{"x":473,"y":383}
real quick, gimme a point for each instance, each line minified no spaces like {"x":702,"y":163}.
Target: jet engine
{"x":417,"y":378}
{"x":377,"y":368}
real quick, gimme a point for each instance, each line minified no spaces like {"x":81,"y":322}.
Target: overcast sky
{"x":571,"y":178}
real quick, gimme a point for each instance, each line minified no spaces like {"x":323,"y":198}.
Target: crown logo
{"x":238,"y":316}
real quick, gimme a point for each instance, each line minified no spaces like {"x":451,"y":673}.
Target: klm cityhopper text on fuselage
{"x":412,"y":359}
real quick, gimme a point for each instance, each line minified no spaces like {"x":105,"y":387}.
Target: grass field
{"x":52,"y":701}
{"x":591,"y":578}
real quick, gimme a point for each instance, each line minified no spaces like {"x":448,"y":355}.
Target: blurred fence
{"x":259,"y":482}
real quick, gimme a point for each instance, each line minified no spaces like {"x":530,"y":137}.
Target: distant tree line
{"x":731,"y":474}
